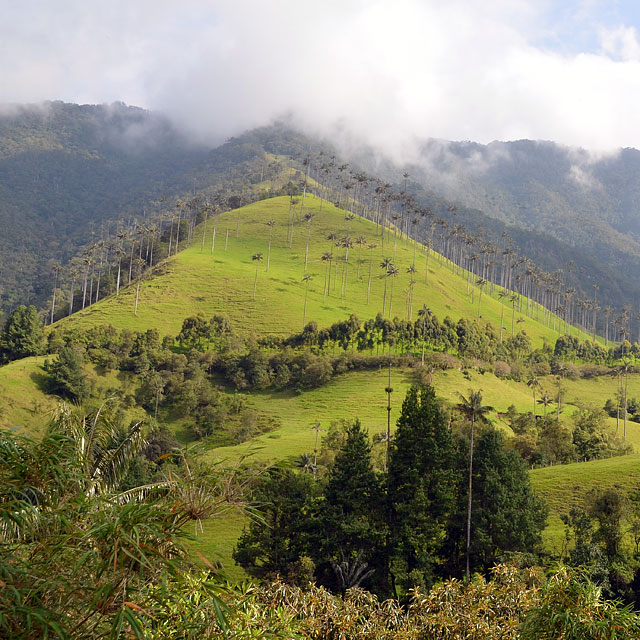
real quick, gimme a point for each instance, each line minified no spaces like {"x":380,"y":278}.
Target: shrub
{"x":541,"y":368}
{"x":501,"y":369}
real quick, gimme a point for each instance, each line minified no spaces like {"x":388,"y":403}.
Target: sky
{"x":383,"y":72}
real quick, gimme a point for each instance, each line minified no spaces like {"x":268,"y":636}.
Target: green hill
{"x":197,"y":281}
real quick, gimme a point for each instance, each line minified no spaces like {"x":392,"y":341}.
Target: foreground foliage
{"x":78,"y":564}
{"x":76,"y":560}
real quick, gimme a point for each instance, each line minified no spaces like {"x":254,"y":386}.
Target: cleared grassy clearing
{"x":565,"y":486}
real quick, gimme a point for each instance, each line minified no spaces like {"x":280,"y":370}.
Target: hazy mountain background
{"x":67,"y":170}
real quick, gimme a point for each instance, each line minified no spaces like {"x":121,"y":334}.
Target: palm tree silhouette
{"x":257,"y":258}
{"x":308,"y":217}
{"x":533,"y":383}
{"x":327,"y":257}
{"x":503,"y":294}
{"x":423,"y":313}
{"x":385,"y":265}
{"x":411,"y":270}
{"x":306,"y":278}
{"x":473,"y":409}
{"x":347,"y":243}
{"x":360,"y":241}
{"x":270,"y":224}
{"x":316,"y":427}
{"x":392,"y":272}
{"x":481,"y":282}
{"x":371,"y":246}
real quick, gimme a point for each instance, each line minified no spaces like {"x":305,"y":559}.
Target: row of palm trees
{"x":541,"y":295}
{"x":121,"y":255}
{"x":398,"y":217}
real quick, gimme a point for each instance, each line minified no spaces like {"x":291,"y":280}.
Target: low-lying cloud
{"x":384,"y":73}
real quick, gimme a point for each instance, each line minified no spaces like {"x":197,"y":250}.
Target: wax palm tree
{"x":122,"y":237}
{"x":545,"y":401}
{"x":371,"y":247}
{"x":138,"y":266}
{"x":216,"y":215}
{"x":305,"y":462}
{"x":533,"y":383}
{"x":257,"y":258}
{"x":411,"y":270}
{"x":316,"y":427}
{"x":206,"y":208}
{"x":306,"y":278}
{"x":513,"y":299}
{"x":473,"y":409}
{"x":349,"y":218}
{"x":503,"y":294}
{"x":270,"y":224}
{"x":423,"y":313}
{"x":179,"y":207}
{"x":385,"y":265}
{"x":360,"y":241}
{"x":327,"y":258}
{"x":308,"y":217}
{"x":347,"y":243}
{"x":392,"y":272}
{"x":56,"y":271}
{"x":481,"y":282}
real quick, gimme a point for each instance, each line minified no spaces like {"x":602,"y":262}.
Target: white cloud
{"x":621,"y":43}
{"x":383,"y":71}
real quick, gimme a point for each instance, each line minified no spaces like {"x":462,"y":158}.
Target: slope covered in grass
{"x":359,"y":395}
{"x":198,"y":280}
{"x":566,"y":486}
{"x":27,"y":406}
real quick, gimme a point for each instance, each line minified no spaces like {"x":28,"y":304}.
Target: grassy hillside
{"x":25,"y":403}
{"x":197,"y":281}
{"x":565,"y":486}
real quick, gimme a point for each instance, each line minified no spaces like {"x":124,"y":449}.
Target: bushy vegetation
{"x":188,"y":377}
{"x":404,"y":527}
{"x":81,"y":559}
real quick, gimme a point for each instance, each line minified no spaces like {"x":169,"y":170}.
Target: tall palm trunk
{"x":255,"y":283}
{"x":213,"y":237}
{"x":384,"y":297}
{"x":468,"y":550}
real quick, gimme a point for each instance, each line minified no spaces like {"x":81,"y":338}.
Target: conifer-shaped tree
{"x":22,"y":335}
{"x":506,"y":514}
{"x":354,"y":515}
{"x":421,"y":489}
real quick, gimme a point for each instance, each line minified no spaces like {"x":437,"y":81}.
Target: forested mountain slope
{"x":588,"y":203}
{"x":69,"y":173}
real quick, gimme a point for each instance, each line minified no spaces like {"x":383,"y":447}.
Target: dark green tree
{"x":274,"y":543}
{"x":506,"y":515}
{"x":22,"y":335}
{"x":421,"y":489}
{"x":353,"y":516}
{"x":66,"y":376}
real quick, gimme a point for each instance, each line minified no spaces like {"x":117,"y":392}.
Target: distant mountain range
{"x":66,"y":171}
